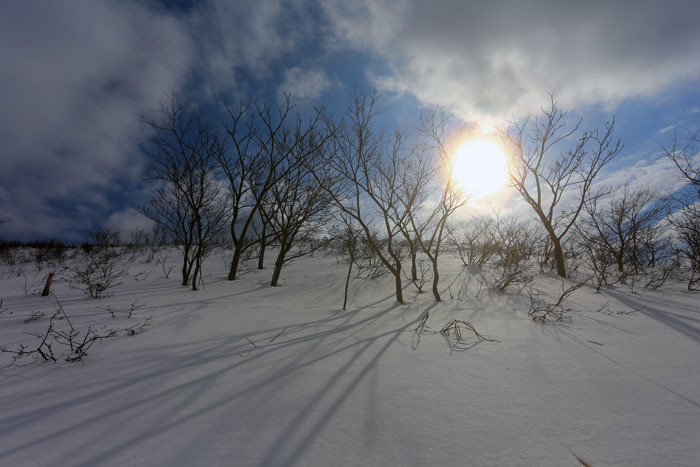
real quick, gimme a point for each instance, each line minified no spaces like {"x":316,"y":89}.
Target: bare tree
{"x":361,"y":172}
{"x":471,"y":240}
{"x":513,"y":244}
{"x":188,"y":201}
{"x":686,"y":219}
{"x":430,"y":229}
{"x":263,"y":238}
{"x":263,"y":140}
{"x":296,"y":206}
{"x":687,"y":223}
{"x":627,"y":226}
{"x":545,"y":182}
{"x":412,"y":192}
{"x":597,"y":256}
{"x":685,"y":158}
{"x":349,"y":237}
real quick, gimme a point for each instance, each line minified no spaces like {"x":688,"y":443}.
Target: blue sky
{"x":76,"y":75}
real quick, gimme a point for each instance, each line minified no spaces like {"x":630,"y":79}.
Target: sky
{"x":77,"y":75}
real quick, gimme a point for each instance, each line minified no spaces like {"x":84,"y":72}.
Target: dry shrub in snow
{"x":66,"y":342}
{"x":96,"y":271}
{"x":470,"y":241}
{"x":546,"y":312}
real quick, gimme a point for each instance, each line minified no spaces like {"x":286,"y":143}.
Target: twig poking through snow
{"x":278,"y":334}
{"x":452,"y":329}
{"x":421,"y":325}
{"x":60,"y":308}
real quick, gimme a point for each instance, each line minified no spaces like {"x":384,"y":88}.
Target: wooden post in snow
{"x":47,"y":286}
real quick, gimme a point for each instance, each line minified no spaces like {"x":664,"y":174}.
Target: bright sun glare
{"x":480,"y":167}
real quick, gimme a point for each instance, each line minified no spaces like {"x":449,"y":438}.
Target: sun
{"x":480,"y":167}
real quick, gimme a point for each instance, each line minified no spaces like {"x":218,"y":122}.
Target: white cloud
{"x":668,"y":128}
{"x":656,"y":173}
{"x":304,"y":84}
{"x":493,"y":59}
{"x":129,"y":221}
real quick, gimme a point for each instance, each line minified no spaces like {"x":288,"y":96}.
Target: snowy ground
{"x":209,"y":384}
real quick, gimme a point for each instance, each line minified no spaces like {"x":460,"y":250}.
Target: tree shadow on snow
{"x":155,"y":390}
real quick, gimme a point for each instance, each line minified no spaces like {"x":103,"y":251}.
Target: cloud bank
{"x":493,"y":59}
{"x":76,"y":75}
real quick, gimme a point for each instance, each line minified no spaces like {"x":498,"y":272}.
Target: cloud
{"x":668,"y":128}
{"x":244,"y":37}
{"x":487,"y":59}
{"x":76,"y":75}
{"x":656,"y":173}
{"x":129,"y":221}
{"x":304,"y":84}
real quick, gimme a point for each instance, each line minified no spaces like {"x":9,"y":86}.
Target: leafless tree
{"x":263,"y":140}
{"x":557,"y":186}
{"x":361,"y":172}
{"x":263,"y":239}
{"x":188,"y":202}
{"x":686,"y":219}
{"x":348,"y":234}
{"x":430,"y":227}
{"x":412,"y":192}
{"x":686,"y":159}
{"x":687,"y":224}
{"x":470,"y":240}
{"x":513,"y":244}
{"x":597,"y":256}
{"x":627,"y":225}
{"x":296,"y":206}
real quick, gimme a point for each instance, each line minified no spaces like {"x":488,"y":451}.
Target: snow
{"x":240,"y":373}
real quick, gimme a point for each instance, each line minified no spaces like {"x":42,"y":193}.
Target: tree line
{"x":272,"y":176}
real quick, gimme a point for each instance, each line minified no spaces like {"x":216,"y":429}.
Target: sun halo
{"x":480,"y":167}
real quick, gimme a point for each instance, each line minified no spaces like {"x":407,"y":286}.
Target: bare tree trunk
{"x":347,"y":283}
{"x":620,"y":264}
{"x":414,"y":270}
{"x":263,"y":245}
{"x":436,"y":280}
{"x":559,"y":257}
{"x":185,"y":268}
{"x":261,"y":256}
{"x":233,"y":271}
{"x":397,"y":281}
{"x":195,"y":274}
{"x":278,"y":268}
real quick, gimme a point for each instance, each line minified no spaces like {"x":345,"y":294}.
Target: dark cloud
{"x":244,"y":37}
{"x":75,"y":77}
